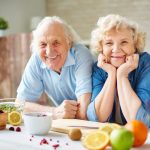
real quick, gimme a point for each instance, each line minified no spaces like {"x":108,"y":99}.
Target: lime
{"x":121,"y":139}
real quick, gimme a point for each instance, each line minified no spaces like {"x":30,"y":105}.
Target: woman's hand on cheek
{"x":130,"y":65}
{"x":103,"y":63}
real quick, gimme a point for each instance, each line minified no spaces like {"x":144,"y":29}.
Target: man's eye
{"x":42,"y":45}
{"x":56,"y":43}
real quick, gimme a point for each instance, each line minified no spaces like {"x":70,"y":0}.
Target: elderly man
{"x":58,"y":67}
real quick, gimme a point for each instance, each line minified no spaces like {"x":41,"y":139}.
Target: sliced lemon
{"x":14,"y":118}
{"x":109,"y":127}
{"x":115,"y":126}
{"x":106,"y":128}
{"x":96,"y":140}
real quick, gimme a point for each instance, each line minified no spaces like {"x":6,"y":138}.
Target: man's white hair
{"x":70,"y":33}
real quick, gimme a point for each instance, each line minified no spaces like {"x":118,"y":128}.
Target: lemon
{"x":106,"y":128}
{"x":115,"y":126}
{"x":97,"y":140}
{"x":109,"y":127}
{"x":14,"y":118}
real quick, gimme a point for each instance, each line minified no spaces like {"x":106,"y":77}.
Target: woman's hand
{"x":103,"y":62}
{"x":67,"y":110}
{"x":130,"y":64}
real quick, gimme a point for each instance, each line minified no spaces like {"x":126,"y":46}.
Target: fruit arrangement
{"x":13,"y":111}
{"x":133,"y":134}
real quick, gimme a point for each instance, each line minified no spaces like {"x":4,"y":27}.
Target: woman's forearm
{"x":129,"y":101}
{"x":105,"y":99}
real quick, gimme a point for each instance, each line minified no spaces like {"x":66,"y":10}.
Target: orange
{"x":96,"y":140}
{"x":139,"y":130}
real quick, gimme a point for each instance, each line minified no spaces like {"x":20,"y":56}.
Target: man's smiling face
{"x":53,"y":46}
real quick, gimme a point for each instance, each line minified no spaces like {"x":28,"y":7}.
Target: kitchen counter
{"x":12,"y":140}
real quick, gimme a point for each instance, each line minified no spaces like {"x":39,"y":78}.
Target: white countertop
{"x":12,"y":140}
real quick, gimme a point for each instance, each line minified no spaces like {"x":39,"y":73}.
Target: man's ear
{"x":69,"y":42}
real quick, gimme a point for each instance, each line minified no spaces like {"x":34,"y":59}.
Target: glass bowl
{"x":8,"y":105}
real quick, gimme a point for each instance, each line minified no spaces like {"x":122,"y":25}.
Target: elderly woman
{"x":121,"y":77}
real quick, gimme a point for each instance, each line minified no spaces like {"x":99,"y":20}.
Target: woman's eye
{"x":109,"y":43}
{"x":124,"y":42}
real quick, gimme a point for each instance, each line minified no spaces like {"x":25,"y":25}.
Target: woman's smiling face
{"x":53,"y":46}
{"x":117,"y":44}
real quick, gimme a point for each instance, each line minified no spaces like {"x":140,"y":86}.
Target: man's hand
{"x":103,"y":62}
{"x":67,"y":110}
{"x":130,"y":64}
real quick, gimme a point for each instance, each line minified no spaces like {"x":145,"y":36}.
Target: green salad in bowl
{"x":9,"y":105}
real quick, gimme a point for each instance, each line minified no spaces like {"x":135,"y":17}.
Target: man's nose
{"x":48,"y":50}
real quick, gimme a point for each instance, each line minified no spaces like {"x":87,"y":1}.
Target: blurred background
{"x":23,"y":16}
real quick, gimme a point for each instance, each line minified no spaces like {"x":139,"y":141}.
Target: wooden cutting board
{"x":74,"y":123}
{"x":61,"y":125}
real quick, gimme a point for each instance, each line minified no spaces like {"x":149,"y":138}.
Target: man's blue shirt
{"x":73,"y":81}
{"x":140,"y":83}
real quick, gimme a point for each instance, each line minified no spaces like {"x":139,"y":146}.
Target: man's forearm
{"x":37,"y":107}
{"x":83,"y":101}
{"x":34,"y":107}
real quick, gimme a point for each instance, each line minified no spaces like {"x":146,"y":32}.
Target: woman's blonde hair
{"x":112,"y":21}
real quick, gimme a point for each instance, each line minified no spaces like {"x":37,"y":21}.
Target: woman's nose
{"x":116,"y":47}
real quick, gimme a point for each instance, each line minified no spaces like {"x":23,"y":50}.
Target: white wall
{"x":83,"y":14}
{"x":20,"y":12}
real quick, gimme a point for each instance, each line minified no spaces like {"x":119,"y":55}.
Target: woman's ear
{"x":135,"y":51}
